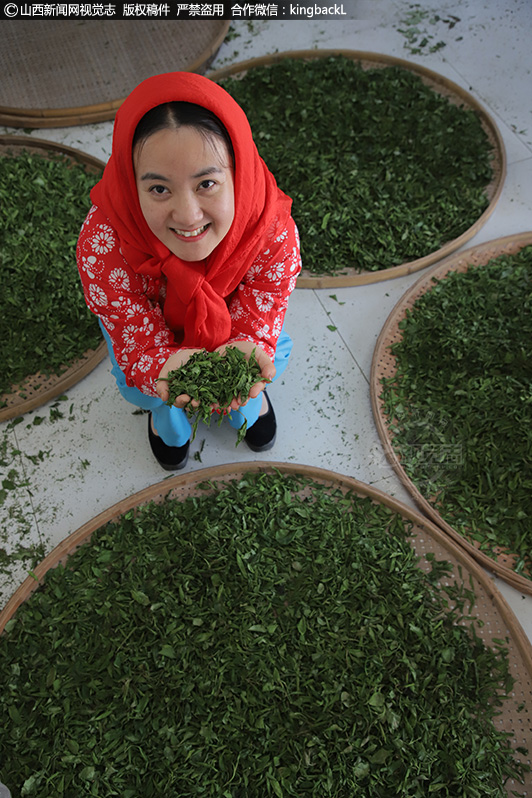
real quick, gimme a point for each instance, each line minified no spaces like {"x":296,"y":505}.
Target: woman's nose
{"x":186,"y":211}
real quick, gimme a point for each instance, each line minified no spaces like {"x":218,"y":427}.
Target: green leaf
{"x":14,"y":714}
{"x":72,"y":746}
{"x":376,"y":700}
{"x":140,"y":597}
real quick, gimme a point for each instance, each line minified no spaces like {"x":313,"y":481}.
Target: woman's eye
{"x":207,"y":184}
{"x":159,"y":190}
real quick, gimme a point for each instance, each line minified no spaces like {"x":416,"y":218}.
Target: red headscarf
{"x":200,"y":287}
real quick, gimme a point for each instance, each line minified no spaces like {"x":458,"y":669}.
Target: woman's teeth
{"x":191,"y":233}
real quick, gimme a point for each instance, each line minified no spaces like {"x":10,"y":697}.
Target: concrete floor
{"x":71,"y":468}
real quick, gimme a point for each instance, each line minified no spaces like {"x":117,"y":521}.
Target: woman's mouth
{"x":190,"y":234}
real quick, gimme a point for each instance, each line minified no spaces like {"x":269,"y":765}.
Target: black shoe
{"x":261,"y":436}
{"x":171,"y":458}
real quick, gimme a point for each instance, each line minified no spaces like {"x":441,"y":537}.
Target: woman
{"x":189,"y":245}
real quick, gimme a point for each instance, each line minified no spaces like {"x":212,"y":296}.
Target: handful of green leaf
{"x":211,"y":378}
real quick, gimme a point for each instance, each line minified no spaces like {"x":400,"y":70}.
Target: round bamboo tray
{"x":490,"y":606}
{"x":442,"y":85}
{"x":37,"y":389}
{"x":59,"y":73}
{"x":383,"y":366}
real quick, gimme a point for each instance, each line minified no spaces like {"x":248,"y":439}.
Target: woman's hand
{"x":174,"y":362}
{"x":267,"y":369}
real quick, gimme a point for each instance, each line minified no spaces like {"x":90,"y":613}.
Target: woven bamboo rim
{"x":490,"y":606}
{"x":105,"y":110}
{"x":442,"y":85}
{"x":37,"y":389}
{"x":383,"y":366}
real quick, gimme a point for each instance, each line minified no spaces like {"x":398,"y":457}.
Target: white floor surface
{"x":71,"y":468}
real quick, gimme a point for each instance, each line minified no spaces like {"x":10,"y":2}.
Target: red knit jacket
{"x":131,"y":305}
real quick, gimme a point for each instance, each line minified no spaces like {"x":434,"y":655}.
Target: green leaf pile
{"x":268,"y":637}
{"x":460,"y":404}
{"x":381,"y":168}
{"x":211,"y":378}
{"x":44,"y":322}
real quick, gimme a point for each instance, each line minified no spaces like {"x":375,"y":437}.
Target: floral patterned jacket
{"x":131,"y":306}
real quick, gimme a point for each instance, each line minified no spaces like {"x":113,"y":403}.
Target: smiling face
{"x":186,"y":191}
